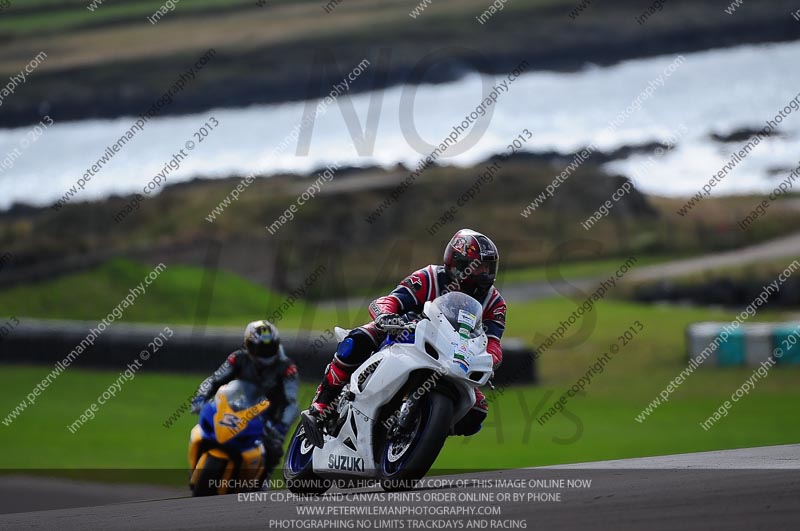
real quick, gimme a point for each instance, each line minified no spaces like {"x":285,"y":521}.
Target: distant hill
{"x":112,"y":61}
{"x":332,"y":228}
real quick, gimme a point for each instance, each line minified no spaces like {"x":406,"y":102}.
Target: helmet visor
{"x":263,"y":346}
{"x":476,"y":269}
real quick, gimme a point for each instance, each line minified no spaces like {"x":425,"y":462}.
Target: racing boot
{"x":324,"y":405}
{"x":471,"y":423}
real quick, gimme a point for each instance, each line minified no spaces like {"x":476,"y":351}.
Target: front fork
{"x":406,"y":415}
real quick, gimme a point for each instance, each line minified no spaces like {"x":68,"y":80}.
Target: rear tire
{"x":212,"y":472}
{"x":298,"y":470}
{"x":402,"y":465}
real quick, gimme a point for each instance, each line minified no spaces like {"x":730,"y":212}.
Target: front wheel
{"x":407,"y":455}
{"x":298,"y":470}
{"x":212,"y":470}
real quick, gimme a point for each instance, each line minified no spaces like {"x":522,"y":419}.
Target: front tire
{"x":213,"y":470}
{"x":298,"y":470}
{"x":407,"y":457}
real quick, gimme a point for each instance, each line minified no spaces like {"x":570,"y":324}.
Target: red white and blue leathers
{"x":410,"y":295}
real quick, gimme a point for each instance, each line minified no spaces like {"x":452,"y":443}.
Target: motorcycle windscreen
{"x":238,"y":403}
{"x":462,"y":312}
{"x":240,"y":394}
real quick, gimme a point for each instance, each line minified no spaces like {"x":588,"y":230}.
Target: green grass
{"x":127,"y":432}
{"x":601,"y":425}
{"x":567,"y":270}
{"x":764,"y":271}
{"x":661,"y":344}
{"x":177,"y":296}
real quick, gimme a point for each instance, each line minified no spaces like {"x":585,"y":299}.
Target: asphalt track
{"x":756,"y":488}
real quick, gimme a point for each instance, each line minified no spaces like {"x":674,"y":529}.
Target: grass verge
{"x":128,"y":432}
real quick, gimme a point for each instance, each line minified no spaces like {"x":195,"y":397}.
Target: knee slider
{"x":345,"y":348}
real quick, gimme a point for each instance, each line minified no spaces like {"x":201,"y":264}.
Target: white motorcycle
{"x":391,"y":421}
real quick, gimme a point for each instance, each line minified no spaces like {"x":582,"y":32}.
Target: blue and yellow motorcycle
{"x":226,"y":454}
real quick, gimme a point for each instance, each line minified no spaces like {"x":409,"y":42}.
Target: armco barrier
{"x":45,"y":342}
{"x":748,"y":345}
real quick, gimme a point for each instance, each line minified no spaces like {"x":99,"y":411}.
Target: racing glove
{"x":386,"y":319}
{"x":275,"y":430}
{"x":197,"y":404}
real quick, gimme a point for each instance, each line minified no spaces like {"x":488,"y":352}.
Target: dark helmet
{"x":262,"y":341}
{"x":471,"y":261}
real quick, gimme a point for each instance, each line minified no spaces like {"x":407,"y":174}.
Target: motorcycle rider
{"x":469,"y":266}
{"x":263,"y":362}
